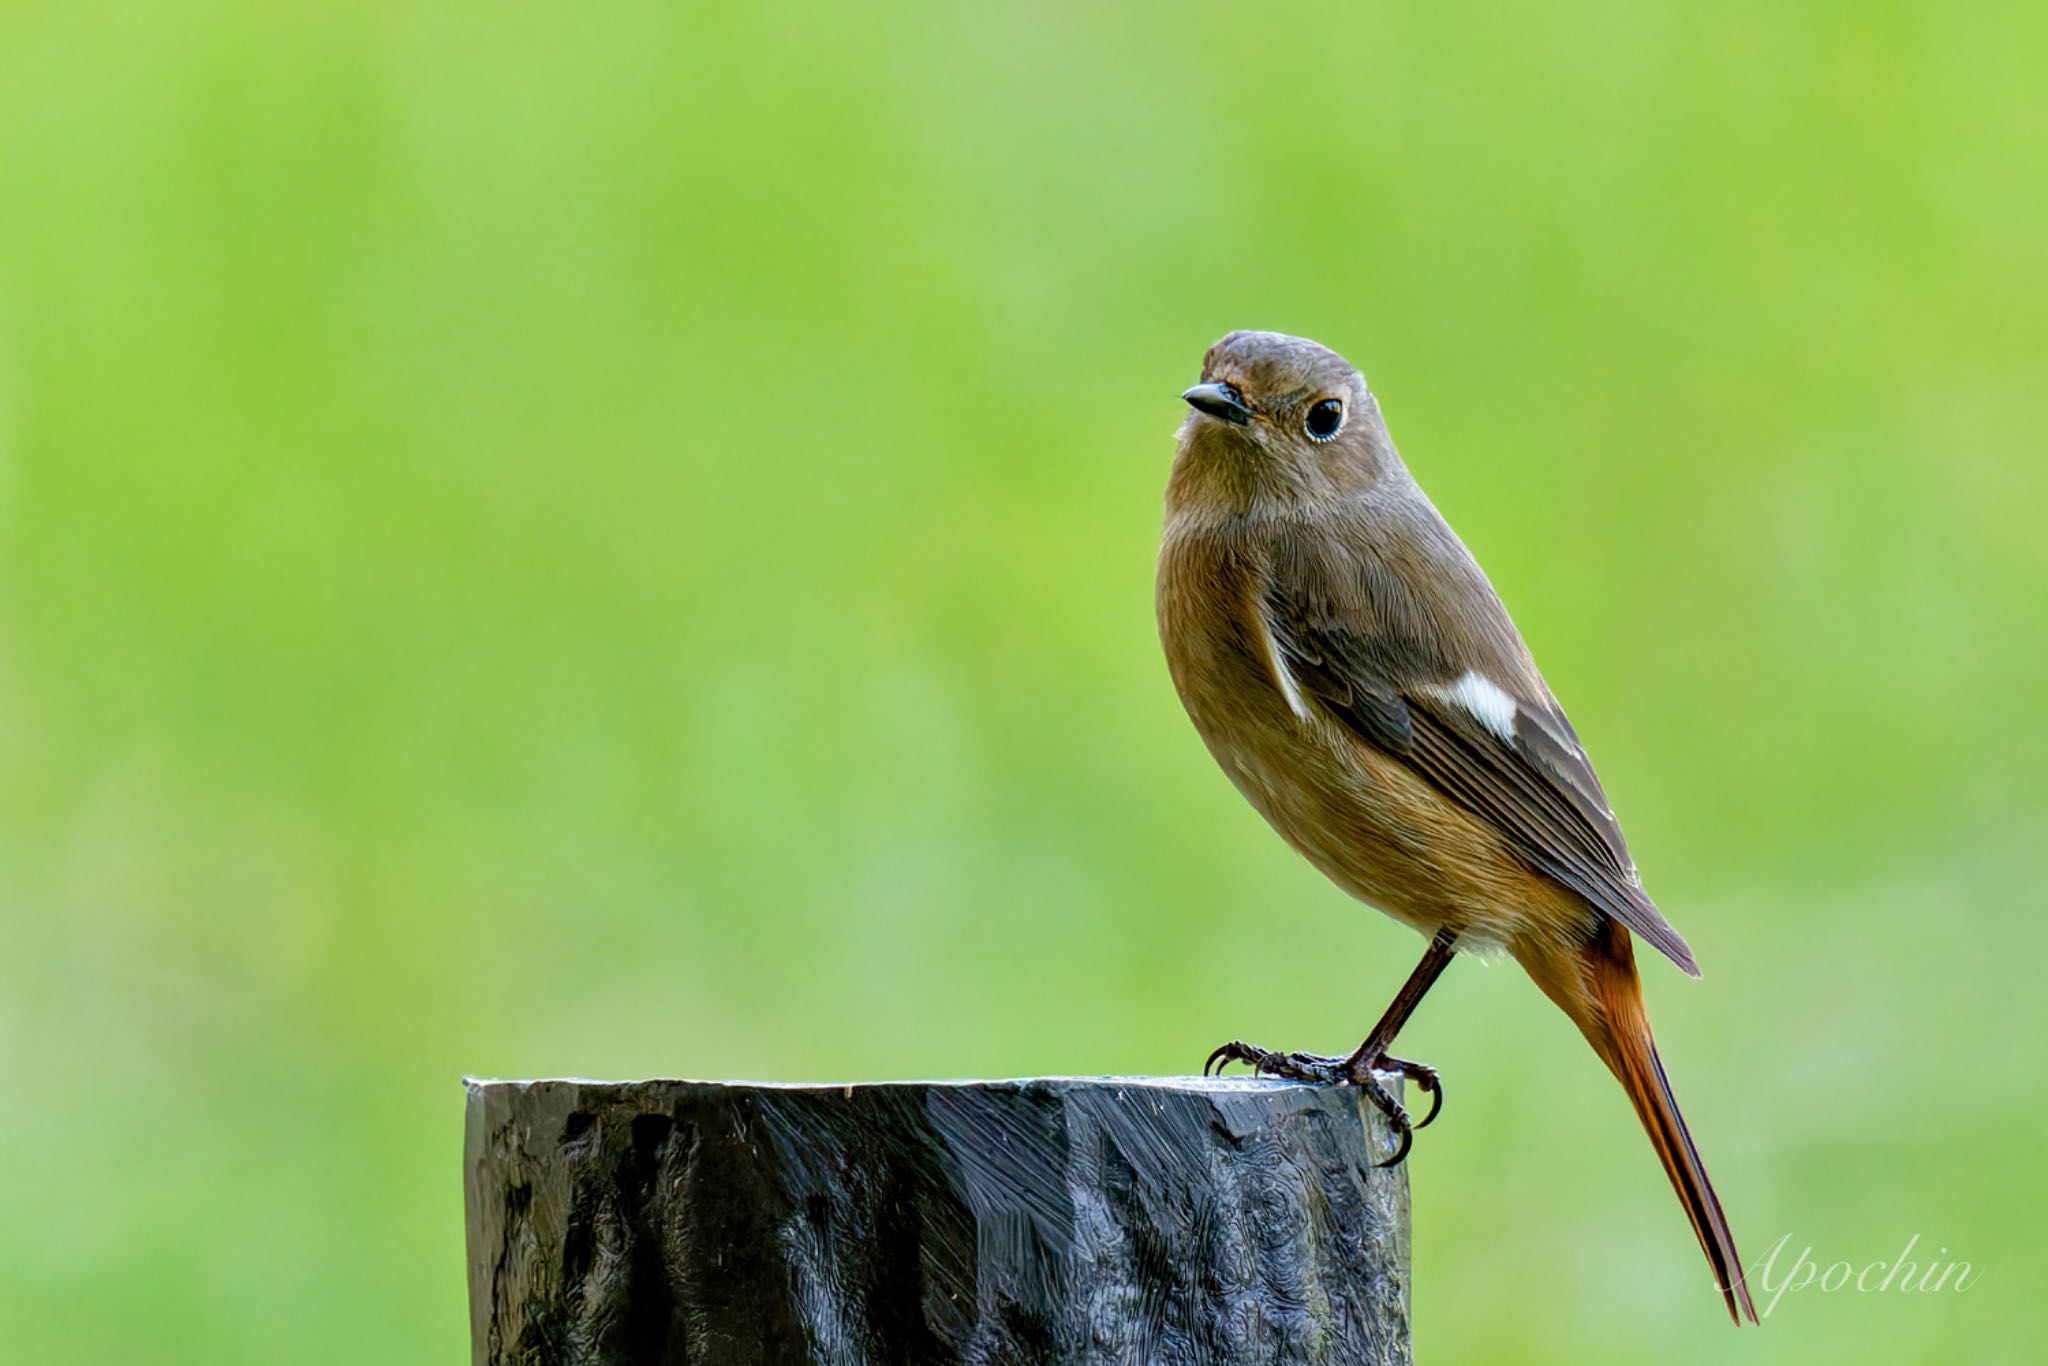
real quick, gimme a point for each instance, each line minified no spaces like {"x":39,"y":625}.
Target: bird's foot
{"x":1267,"y":1063}
{"x":1356,"y":1070}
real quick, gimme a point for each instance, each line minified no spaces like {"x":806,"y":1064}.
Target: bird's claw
{"x":1234,"y":1051}
{"x":1311,"y":1067}
{"x":1425,"y":1078}
{"x":1265,"y":1062}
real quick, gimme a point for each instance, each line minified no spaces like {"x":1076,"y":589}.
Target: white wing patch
{"x":1485,"y":700}
{"x":1280,"y":673}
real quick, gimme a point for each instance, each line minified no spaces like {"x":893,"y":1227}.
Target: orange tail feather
{"x":1606,"y":1002}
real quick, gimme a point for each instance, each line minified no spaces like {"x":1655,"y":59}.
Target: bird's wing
{"x":1513,"y":761}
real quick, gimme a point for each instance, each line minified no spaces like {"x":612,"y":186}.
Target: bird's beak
{"x":1218,"y":400}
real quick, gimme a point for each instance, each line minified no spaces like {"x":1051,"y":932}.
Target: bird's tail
{"x":1607,"y":1005}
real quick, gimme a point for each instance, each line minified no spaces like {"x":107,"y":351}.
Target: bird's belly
{"x":1380,"y":832}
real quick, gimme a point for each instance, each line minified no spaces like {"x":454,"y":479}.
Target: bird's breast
{"x":1365,"y":820}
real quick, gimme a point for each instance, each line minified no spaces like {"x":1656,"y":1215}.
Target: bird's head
{"x":1280,"y":418}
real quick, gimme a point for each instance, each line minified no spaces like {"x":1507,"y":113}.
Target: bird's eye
{"x":1325,"y":419}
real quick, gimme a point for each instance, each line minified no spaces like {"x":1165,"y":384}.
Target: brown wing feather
{"x":1538,"y":789}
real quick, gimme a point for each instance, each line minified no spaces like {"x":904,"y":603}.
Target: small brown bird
{"x":1354,"y":673}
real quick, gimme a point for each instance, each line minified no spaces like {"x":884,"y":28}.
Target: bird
{"x":1352,"y":670}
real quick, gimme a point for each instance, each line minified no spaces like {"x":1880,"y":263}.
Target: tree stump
{"x":1064,"y":1219}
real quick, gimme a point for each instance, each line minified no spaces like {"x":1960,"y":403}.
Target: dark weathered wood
{"x":1060,"y":1219}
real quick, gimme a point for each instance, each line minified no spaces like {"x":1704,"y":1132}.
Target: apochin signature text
{"x":1871,"y":1278}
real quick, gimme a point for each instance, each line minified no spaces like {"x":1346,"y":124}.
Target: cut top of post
{"x":1053,"y":1218}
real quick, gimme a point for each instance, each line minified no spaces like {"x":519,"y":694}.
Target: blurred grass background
{"x":619,"y":542}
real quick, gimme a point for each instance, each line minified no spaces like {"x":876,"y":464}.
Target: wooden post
{"x":1082,"y":1219}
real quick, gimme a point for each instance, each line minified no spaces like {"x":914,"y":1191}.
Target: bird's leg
{"x":1372,"y":1056}
{"x":1369,"y":1057}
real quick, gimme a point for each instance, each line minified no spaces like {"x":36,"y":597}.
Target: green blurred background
{"x":619,"y":541}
